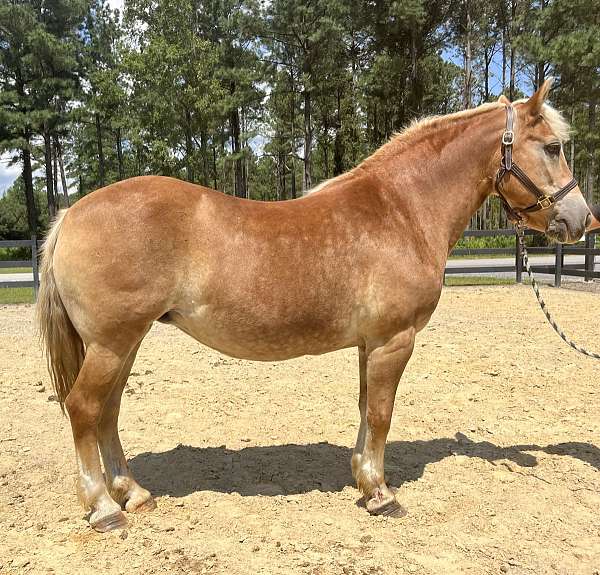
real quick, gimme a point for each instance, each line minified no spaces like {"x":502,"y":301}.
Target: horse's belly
{"x":248,"y":337}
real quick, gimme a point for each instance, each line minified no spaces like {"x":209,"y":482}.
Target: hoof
{"x":390,"y":509}
{"x":115,"y":520}
{"x":140,"y":503}
{"x":379,"y":504}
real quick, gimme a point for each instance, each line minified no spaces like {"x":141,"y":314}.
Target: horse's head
{"x":534,"y":180}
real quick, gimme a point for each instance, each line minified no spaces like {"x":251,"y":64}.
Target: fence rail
{"x":586,"y":269}
{"x":33,"y":246}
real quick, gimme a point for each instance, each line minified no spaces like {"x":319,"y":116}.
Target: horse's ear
{"x":504,"y":100}
{"x":535,"y":103}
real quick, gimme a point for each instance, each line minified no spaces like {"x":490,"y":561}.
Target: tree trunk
{"x":61,"y":164}
{"x":375,"y":140}
{"x":513,"y":13}
{"x":244,"y":161}
{"x":540,"y":74}
{"x":120,"y":154}
{"x":504,"y":59}
{"x":338,"y":144}
{"x":189,"y":146}
{"x":467,"y":96}
{"x":203,"y":151}
{"x":541,"y":66}
{"x":293,"y":140}
{"x":487,"y":60}
{"x":572,"y":143}
{"x":55,"y":173}
{"x":591,"y":166}
{"x":308,"y":141}
{"x":49,"y":177}
{"x":281,"y":191}
{"x":293,"y":183}
{"x":101,"y":163}
{"x":28,"y":182}
{"x":214,"y":167}
{"x":239,"y":189}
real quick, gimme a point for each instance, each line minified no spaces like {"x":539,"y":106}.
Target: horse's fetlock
{"x":119,"y":488}
{"x":87,"y":492}
{"x":366,"y":476}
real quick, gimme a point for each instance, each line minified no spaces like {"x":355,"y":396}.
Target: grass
{"x":16,"y":295}
{"x":481,"y":256}
{"x":15,"y":270}
{"x":479,"y":281}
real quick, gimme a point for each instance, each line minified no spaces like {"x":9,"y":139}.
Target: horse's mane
{"x":418,"y":127}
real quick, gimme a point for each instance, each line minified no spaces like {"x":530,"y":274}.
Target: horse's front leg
{"x":381,"y":366}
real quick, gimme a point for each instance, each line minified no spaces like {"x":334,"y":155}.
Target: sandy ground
{"x":493,"y":447}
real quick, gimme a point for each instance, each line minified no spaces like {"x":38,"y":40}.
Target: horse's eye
{"x":553,"y":149}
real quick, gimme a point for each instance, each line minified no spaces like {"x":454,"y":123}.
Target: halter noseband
{"x":508,"y":166}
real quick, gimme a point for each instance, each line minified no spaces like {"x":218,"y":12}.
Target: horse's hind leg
{"x":119,"y":479}
{"x":99,"y":373}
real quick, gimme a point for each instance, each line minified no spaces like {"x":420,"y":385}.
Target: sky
{"x":116,"y":4}
{"x":8,"y":174}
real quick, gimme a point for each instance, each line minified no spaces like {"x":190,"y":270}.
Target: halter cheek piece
{"x":508,"y":166}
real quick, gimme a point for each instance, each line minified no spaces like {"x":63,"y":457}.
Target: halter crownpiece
{"x":508,"y":166}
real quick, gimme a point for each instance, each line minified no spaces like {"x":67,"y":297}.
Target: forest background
{"x":266,"y":99}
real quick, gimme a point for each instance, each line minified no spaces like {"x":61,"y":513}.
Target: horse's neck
{"x":448,"y":174}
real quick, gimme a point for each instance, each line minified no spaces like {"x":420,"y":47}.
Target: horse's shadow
{"x":292,"y":469}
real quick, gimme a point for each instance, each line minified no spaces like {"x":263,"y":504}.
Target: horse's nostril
{"x":588,"y":219}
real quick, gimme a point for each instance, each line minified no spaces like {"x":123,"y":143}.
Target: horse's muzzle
{"x":568,"y":222}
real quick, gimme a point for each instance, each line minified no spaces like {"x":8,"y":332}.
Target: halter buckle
{"x":545,"y":202}
{"x":508,"y":138}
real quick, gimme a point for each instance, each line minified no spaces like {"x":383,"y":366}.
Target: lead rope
{"x":542,"y":303}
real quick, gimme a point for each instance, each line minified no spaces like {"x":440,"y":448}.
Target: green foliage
{"x":486,"y":242}
{"x":263,"y":99}
{"x":13,"y":214}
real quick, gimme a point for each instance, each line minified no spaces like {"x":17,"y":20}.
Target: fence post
{"x":589,"y":257}
{"x":34,"y":266}
{"x":518,"y":260}
{"x":558,"y":260}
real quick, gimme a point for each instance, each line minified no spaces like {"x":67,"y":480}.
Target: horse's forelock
{"x":557,"y":122}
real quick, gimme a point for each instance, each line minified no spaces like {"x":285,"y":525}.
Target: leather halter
{"x":508,"y":166}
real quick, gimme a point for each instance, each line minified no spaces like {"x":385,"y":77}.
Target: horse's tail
{"x":62,"y":344}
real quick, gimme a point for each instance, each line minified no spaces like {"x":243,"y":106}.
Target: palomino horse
{"x":358,"y":263}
